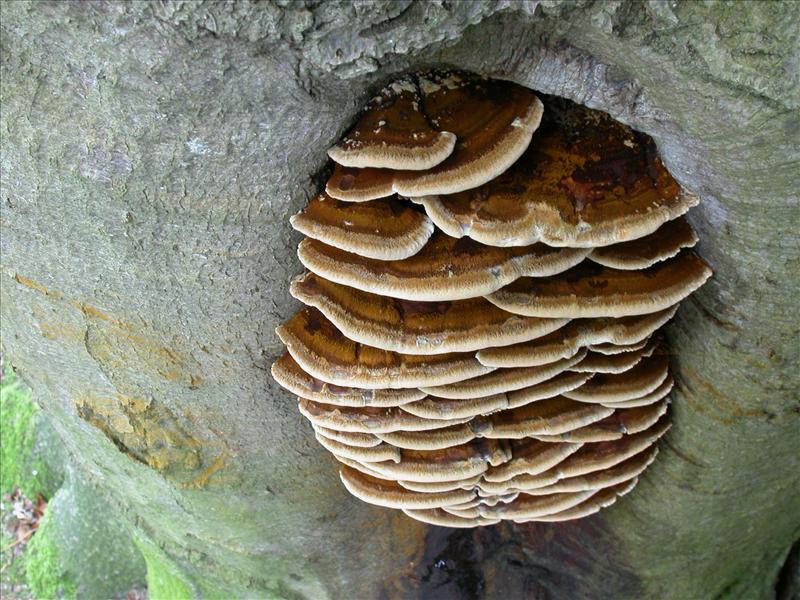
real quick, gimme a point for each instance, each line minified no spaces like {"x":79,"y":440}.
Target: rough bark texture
{"x":152,"y":154}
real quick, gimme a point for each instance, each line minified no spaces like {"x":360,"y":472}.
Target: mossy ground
{"x":12,"y":581}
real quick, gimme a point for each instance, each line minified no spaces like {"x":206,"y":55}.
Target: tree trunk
{"x":152,"y":155}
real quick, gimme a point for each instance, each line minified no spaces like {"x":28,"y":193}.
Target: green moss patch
{"x":23,"y":459}
{"x":46,"y":577}
{"x":164,"y":579}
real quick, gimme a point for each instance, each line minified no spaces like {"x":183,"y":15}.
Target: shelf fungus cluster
{"x":486,"y":280}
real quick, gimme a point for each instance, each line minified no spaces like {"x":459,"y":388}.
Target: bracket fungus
{"x":487,"y":278}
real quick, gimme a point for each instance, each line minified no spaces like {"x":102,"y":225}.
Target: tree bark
{"x":152,"y":155}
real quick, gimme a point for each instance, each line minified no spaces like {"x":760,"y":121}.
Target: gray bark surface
{"x":152,"y":155}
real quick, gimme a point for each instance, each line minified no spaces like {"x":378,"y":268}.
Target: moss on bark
{"x":45,"y":573}
{"x":31,"y":457}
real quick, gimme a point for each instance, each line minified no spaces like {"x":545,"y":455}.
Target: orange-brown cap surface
{"x":660,"y":392}
{"x":577,"y":333}
{"x":591,"y":290}
{"x":597,"y":362}
{"x":594,"y":187}
{"x":528,"y":507}
{"x":445,"y":268}
{"x":416,"y":327}
{"x":394,"y":133}
{"x":545,"y":417}
{"x":363,"y":454}
{"x":322,"y":351}
{"x":436,"y":439}
{"x":445,"y":408}
{"x":601,"y":499}
{"x":381,"y":229}
{"x":504,"y":380}
{"x":438,"y":516}
{"x":493,"y":122}
{"x":636,"y":382}
{"x":365,"y":440}
{"x":291,"y":376}
{"x":611,"y":349}
{"x":441,"y":486}
{"x":368,"y":419}
{"x":392,"y":495}
{"x":665,"y":242}
{"x":604,"y":455}
{"x":622,"y":422}
{"x":531,"y":457}
{"x":563,"y":382}
{"x":457,"y":462}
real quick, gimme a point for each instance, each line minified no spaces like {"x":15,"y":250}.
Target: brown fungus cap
{"x":464,"y":513}
{"x":531,"y":457}
{"x":625,"y":471}
{"x":520,"y":482}
{"x":529,"y":507}
{"x":567,"y":340}
{"x":441,"y":486}
{"x":501,"y":492}
{"x":381,"y":229}
{"x":622,"y":422}
{"x":612,"y":349}
{"x":545,"y":417}
{"x":563,"y":343}
{"x":594,"y":187}
{"x":563,"y":382}
{"x":392,"y":495}
{"x":394,"y":133}
{"x":291,"y":376}
{"x":589,"y":458}
{"x":368,"y":419}
{"x":597,"y":362}
{"x":448,"y":408}
{"x":502,"y":380}
{"x":591,"y":290}
{"x":458,"y":462}
{"x":463,"y":432}
{"x":639,"y":381}
{"x":364,"y":440}
{"x":321,"y":350}
{"x":485,"y":499}
{"x":416,"y":327}
{"x":437,"y":516}
{"x":493,"y":122}
{"x":664,"y":243}
{"x":604,"y":455}
{"x":659,"y":393}
{"x":360,"y":185}
{"x":550,"y":416}
{"x":377,"y":453}
{"x":445,"y":268}
{"x":601,"y":499}
{"x":437,"y":439}
{"x":359,"y":466}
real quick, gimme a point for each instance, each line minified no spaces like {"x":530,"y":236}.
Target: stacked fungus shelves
{"x":484,"y":292}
